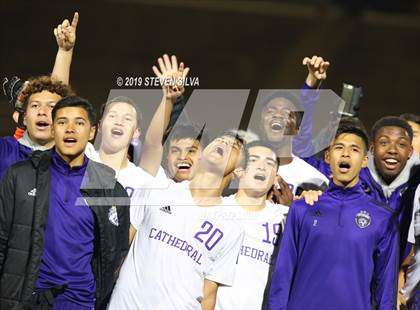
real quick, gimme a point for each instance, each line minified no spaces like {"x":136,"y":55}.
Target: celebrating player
{"x":184,"y":246}
{"x":39,"y":97}
{"x":280,"y":124}
{"x":388,"y":173}
{"x":58,"y":251}
{"x":262,"y":222}
{"x":309,"y":273}
{"x":182,"y":150}
{"x":183,"y":142}
{"x":120,"y":124}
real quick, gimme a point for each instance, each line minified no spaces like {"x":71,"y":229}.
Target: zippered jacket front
{"x":333,"y":253}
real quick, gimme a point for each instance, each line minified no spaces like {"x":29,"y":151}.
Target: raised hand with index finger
{"x":65,"y":33}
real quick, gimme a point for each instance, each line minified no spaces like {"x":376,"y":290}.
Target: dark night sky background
{"x":228,"y":44}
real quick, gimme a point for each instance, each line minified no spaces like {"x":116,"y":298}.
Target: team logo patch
{"x":32,"y":192}
{"x":113,"y":215}
{"x":363,"y":219}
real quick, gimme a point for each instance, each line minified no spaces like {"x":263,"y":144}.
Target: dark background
{"x":228,"y":44}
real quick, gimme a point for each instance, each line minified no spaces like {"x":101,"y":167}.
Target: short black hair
{"x":260,"y":143}
{"x":410,"y":117}
{"x":188,"y":131}
{"x":283,"y":94}
{"x":75,"y":101}
{"x":393,"y":121}
{"x":354,"y":126}
{"x":106,"y":106}
{"x":183,"y":131}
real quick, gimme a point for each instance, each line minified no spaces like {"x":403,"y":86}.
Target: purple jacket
{"x":333,"y":252}
{"x":11,"y":151}
{"x":302,"y":142}
{"x":368,"y":183}
{"x":399,"y":200}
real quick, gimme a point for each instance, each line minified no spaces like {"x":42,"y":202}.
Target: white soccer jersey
{"x":91,"y":152}
{"x":131,"y":177}
{"x":134,"y":178}
{"x":416,"y":208}
{"x":176,"y":246}
{"x":299,"y":172}
{"x":255,"y":258}
{"x":413,"y":272}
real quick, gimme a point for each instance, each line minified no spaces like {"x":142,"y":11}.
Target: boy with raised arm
{"x":288,"y":132}
{"x":39,"y":97}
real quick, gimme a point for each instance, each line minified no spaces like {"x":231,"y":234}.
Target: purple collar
{"x":63,"y":167}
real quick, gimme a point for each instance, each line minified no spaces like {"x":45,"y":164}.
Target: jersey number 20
{"x":208,"y":235}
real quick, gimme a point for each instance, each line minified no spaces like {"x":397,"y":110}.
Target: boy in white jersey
{"x":262,"y":222}
{"x":120,"y":124}
{"x":180,"y":145}
{"x":182,"y":149}
{"x":118,"y":127}
{"x":185,"y":246}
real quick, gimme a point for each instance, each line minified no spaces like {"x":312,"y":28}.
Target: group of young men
{"x":83,"y":227}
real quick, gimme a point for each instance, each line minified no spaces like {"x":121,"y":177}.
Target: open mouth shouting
{"x":183,"y":166}
{"x":260,"y":177}
{"x":116,"y":132}
{"x":69,"y":141}
{"x":276,"y":125}
{"x":220,"y":150}
{"x":42,"y":125}
{"x":344,"y":166}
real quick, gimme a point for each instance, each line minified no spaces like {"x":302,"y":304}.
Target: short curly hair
{"x":45,"y":82}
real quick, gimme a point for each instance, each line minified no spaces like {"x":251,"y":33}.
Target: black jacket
{"x":23,"y":214}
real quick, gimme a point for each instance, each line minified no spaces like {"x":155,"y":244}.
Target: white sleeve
{"x":412,"y":283}
{"x":411,"y":237}
{"x":143,"y":178}
{"x":161,"y":176}
{"x":221,"y":265}
{"x":148,"y":181}
{"x":283,"y":209}
{"x":91,"y":153}
{"x":142,"y":193}
{"x":416,"y":208}
{"x":138,"y":206}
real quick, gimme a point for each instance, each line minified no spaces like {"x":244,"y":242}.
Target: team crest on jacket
{"x":113,"y":215}
{"x":363,"y":219}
